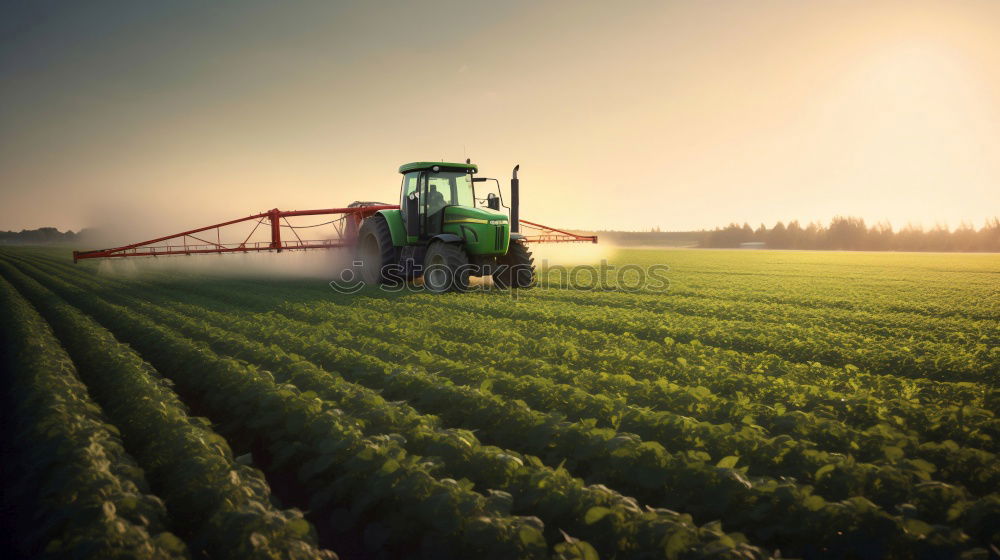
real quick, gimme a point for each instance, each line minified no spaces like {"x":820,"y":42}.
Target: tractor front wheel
{"x":516,"y":269}
{"x":446,"y":268}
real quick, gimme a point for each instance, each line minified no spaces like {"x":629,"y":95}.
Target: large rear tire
{"x":446,"y":268}
{"x":516,"y":269}
{"x":376,"y":252}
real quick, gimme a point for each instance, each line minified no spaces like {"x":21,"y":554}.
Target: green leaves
{"x":574,"y":549}
{"x":531,"y":537}
{"x":917,"y":527}
{"x":596,"y":514}
{"x":814,"y":503}
{"x":728,"y":462}
{"x":824,"y":471}
{"x":676,"y":543}
{"x":170,"y":543}
{"x":300,"y":528}
{"x":109,"y":510}
{"x":893,"y":453}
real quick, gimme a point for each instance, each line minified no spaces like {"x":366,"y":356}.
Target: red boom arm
{"x":189,"y":243}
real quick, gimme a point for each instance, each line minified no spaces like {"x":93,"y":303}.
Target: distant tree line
{"x":38,"y":236}
{"x":852,"y":234}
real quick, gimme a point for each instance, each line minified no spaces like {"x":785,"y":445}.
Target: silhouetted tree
{"x":845,"y":234}
{"x":777,"y":238}
{"x":848,"y":233}
{"x":36,"y":236}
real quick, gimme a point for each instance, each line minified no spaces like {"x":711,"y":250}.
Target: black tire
{"x":446,"y":268}
{"x":376,"y":252}
{"x":516,"y":269}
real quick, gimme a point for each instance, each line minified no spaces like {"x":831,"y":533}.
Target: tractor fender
{"x":514,"y":236}
{"x":446,"y":238}
{"x":397,"y":229}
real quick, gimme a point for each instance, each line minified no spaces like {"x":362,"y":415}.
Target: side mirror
{"x":492,"y":201}
{"x":412,"y":216}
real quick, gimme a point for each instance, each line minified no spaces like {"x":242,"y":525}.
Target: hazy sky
{"x":623,"y":115}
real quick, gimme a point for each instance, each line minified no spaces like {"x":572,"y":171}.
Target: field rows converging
{"x":969,"y":424}
{"x":64,"y":441}
{"x":848,"y":379}
{"x":430,"y":513}
{"x":219,"y":505}
{"x":506,"y":469}
{"x":252,"y":417}
{"x":813,"y":506}
{"x":770,"y":369}
{"x":646,"y":522}
{"x":653,"y":394}
{"x":578,"y":376}
{"x":984,"y":458}
{"x":936,"y":286}
{"x":880,"y":323}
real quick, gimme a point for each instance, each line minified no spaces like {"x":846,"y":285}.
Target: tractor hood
{"x":484,"y":232}
{"x":465,"y":214}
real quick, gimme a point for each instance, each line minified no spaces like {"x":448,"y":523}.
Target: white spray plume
{"x":323,"y":264}
{"x":570,"y":254}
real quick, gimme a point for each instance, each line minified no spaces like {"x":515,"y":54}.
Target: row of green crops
{"x":77,"y":492}
{"x":527,"y":484}
{"x":763,"y":384}
{"x":974,"y":467}
{"x":587,"y":413}
{"x":805,"y":340}
{"x":879,"y":323}
{"x":649,"y":326}
{"x":678,"y":480}
{"x":354,"y":480}
{"x":605,"y":345}
{"x":217,"y":504}
{"x":610,"y":345}
{"x":558,"y":499}
{"x":933,"y":286}
{"x":625,"y":402}
{"x":760,"y":508}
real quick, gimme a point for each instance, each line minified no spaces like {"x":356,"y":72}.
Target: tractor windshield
{"x":454,"y":188}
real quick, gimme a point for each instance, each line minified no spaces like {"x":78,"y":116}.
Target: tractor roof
{"x":422,"y":165}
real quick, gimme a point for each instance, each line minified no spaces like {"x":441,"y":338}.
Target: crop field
{"x":763,"y":404}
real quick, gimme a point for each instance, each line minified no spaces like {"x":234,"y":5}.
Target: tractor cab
{"x":444,"y":231}
{"x":439,"y":197}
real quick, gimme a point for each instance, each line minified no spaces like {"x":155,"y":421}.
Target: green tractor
{"x":444,"y":233}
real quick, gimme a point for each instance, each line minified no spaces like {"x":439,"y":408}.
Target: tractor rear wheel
{"x":516,"y":269}
{"x":446,"y":268}
{"x":375,"y":251}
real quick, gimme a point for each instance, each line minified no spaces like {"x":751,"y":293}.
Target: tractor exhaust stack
{"x":515,"y":201}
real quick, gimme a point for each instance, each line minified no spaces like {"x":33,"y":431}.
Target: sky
{"x":154,"y":117}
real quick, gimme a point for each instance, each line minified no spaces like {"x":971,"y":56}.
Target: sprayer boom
{"x":198,"y":241}
{"x":346,"y":226}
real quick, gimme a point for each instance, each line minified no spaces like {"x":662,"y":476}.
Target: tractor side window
{"x":410,"y":184}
